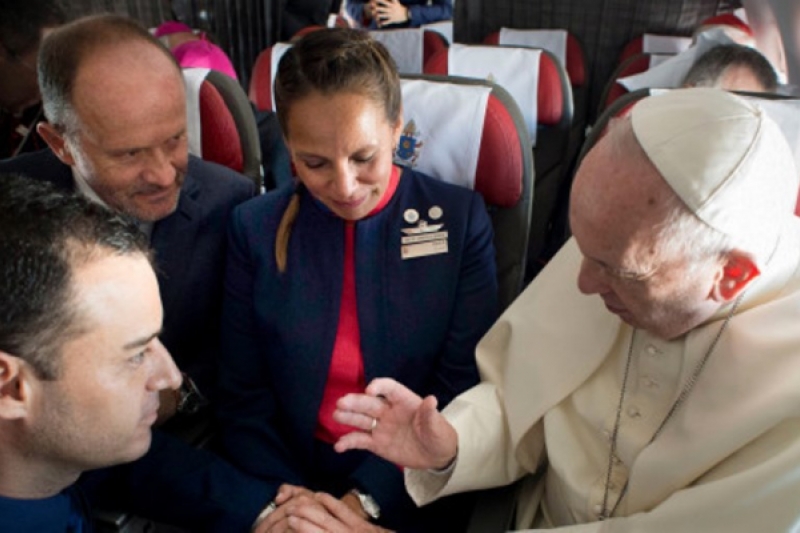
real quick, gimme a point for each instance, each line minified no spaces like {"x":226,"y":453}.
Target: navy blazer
{"x":419,"y":319}
{"x":421,"y":12}
{"x":179,"y":485}
{"x":189,"y":249}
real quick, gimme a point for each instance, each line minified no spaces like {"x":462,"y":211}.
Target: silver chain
{"x":687,"y":388}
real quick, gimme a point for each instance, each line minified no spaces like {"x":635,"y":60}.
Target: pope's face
{"x":664,"y":293}
{"x":100,"y":408}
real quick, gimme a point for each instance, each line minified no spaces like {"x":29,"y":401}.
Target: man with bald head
{"x":650,"y":374}
{"x":115,"y":105}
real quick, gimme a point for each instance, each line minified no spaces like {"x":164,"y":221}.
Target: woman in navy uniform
{"x":360,"y":269}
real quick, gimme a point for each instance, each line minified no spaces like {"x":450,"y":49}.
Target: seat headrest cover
{"x":515,"y":69}
{"x":405,"y":45}
{"x":437,"y":141}
{"x":723,"y":156}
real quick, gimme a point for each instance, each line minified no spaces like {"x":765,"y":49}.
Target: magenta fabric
{"x":203,"y":54}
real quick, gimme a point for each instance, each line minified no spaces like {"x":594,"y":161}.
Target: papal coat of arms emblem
{"x":409,"y":146}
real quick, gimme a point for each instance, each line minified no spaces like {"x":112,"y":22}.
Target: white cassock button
{"x":652,"y":350}
{"x":633,"y":412}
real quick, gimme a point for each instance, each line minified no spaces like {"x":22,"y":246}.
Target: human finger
{"x":302,"y":525}
{"x":388,"y":389}
{"x":287,"y":492}
{"x":312,"y":514}
{"x":364,"y":419}
{"x":355,"y":440}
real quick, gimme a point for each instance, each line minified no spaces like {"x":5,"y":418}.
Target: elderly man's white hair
{"x":725,"y":159}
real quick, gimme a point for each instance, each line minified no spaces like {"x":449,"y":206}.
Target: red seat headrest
{"x":631,"y":49}
{"x":260,"y":90}
{"x":634,"y":65}
{"x":432,"y":42}
{"x":220,"y":138}
{"x":728,"y":19}
{"x":498,"y":176}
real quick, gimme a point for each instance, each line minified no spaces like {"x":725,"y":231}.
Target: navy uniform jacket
{"x":421,"y":12}
{"x":189,"y":249}
{"x":419,"y":320}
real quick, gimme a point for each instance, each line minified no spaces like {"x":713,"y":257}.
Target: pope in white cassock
{"x":652,"y":371}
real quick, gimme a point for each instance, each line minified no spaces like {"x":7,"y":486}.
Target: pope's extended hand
{"x":397,"y":425}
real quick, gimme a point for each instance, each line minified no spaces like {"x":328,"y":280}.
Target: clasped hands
{"x":300,"y":510}
{"x":386,"y":12}
{"x":391,"y":422}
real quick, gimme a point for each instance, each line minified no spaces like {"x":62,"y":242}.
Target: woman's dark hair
{"x":328,"y":62}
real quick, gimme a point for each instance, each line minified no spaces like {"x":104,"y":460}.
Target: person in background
{"x":733,"y":68}
{"x":193,"y":49}
{"x":23,"y":25}
{"x":775,"y":26}
{"x":399,"y":13}
{"x":299,"y":14}
{"x":650,"y":372}
{"x":115,"y":104}
{"x":359,"y":269}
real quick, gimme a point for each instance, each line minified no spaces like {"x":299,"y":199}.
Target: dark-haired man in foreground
{"x":81,"y":369}
{"x":81,"y":366}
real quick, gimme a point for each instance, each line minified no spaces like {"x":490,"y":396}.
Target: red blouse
{"x":346,"y":373}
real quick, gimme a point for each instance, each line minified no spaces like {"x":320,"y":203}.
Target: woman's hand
{"x":330,"y":515}
{"x":397,"y":425}
{"x":289,"y":496}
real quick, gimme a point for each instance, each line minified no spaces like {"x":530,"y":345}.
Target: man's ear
{"x":56,"y":141}
{"x":13,"y":392}
{"x":738,"y":271}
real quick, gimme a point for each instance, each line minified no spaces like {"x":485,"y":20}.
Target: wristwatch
{"x":368,"y":503}
{"x":190,"y":399}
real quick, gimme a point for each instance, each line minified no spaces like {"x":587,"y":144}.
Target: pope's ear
{"x":56,"y":141}
{"x":12,"y":397}
{"x":738,"y":270}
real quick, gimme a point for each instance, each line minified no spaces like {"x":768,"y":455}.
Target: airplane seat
{"x":265,"y":67}
{"x":614,"y":90}
{"x":574,"y":59}
{"x":569,"y":50}
{"x":484,"y":147}
{"x":650,"y":43}
{"x":728,"y":19}
{"x":221,"y":124}
{"x":305,"y":31}
{"x":263,"y":76}
{"x":618,"y":108}
{"x":432,"y":43}
{"x":549,"y":119}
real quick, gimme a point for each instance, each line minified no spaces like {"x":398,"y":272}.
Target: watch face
{"x":369,"y":504}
